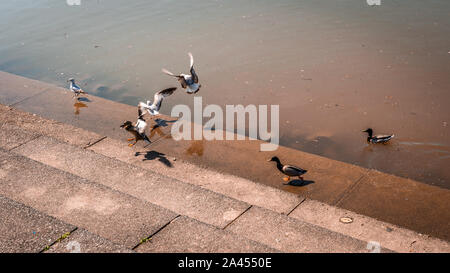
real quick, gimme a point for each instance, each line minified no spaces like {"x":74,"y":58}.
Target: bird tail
{"x":168,"y":72}
{"x":146,"y":139}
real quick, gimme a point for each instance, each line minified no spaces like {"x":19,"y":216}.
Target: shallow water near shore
{"x":334,"y":67}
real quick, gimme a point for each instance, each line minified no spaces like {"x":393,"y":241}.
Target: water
{"x":335,"y":67}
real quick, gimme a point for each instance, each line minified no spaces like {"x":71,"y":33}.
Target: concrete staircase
{"x":66,"y":189}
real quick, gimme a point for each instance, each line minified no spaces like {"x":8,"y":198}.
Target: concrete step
{"x":368,"y":229}
{"x":83,"y":241}
{"x":233,"y":186}
{"x":24,"y":229}
{"x":98,"y":210}
{"x":187,"y":235}
{"x":118,"y":217}
{"x":288,"y":234}
{"x":185,"y":199}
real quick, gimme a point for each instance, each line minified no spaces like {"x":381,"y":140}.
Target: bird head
{"x":125,"y":124}
{"x":276,"y":159}
{"x":369,"y":131}
{"x":71,"y":80}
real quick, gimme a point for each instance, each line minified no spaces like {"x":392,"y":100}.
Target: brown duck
{"x":137,"y":130}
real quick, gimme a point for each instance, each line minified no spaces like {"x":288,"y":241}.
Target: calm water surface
{"x":335,"y":67}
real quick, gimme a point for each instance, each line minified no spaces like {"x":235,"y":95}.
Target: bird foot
{"x":286,"y":178}
{"x":130,"y":139}
{"x":131,"y":144}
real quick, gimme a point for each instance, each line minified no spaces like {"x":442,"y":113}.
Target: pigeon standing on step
{"x":188,"y":82}
{"x":75,"y":88}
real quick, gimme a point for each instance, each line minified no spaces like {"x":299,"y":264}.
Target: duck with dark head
{"x":289,"y":170}
{"x":138,"y":130}
{"x":377,"y":138}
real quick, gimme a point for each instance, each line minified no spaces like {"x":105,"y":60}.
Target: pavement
{"x":71,"y":176}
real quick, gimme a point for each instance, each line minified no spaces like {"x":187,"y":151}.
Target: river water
{"x":335,"y":67}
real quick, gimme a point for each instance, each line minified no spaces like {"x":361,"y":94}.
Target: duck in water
{"x":377,"y":138}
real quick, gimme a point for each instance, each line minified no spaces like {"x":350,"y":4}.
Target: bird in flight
{"x":188,"y":81}
{"x":153,"y":108}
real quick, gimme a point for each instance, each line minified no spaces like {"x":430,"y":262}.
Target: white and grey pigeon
{"x":75,"y":88}
{"x":153,"y":108}
{"x":188,"y":82}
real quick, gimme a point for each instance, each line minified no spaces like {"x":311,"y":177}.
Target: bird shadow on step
{"x":152,"y":155}
{"x":299,"y":183}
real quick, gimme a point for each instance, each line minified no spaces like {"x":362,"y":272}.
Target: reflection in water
{"x":77,"y":105}
{"x":195,"y":148}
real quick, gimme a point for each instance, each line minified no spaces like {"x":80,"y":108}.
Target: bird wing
{"x":191,"y":58}
{"x":194,"y":75}
{"x":292,"y":170}
{"x":78,"y":89}
{"x":169,"y":73}
{"x":192,"y":71}
{"x":141,"y":109}
{"x":159,"y":96}
{"x":382,"y":138}
{"x":140,"y":126}
{"x":180,"y":78}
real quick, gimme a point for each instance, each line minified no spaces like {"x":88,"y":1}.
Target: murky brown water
{"x":335,"y":67}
